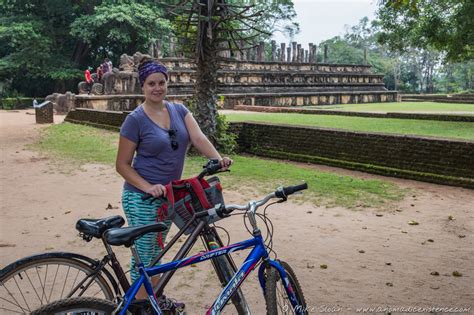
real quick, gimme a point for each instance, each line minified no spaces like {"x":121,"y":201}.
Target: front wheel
{"x":276,"y":296}
{"x":78,"y":305}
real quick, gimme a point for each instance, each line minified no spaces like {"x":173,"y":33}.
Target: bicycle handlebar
{"x":286,"y":191}
{"x":282,"y":193}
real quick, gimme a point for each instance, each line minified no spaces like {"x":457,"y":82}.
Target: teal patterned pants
{"x":140,"y":212}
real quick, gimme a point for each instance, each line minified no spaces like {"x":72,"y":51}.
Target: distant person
{"x":100,"y":72}
{"x":107,"y":66}
{"x":89,"y":81}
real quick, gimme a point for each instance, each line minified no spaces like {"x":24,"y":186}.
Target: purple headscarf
{"x":151,"y":67}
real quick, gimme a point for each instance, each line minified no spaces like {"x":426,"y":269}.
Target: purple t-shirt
{"x":155,"y":160}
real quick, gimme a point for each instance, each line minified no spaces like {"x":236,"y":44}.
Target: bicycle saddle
{"x":97,"y":227}
{"x":126,"y":236}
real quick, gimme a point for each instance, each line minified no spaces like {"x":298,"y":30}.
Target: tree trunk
{"x":205,"y":96}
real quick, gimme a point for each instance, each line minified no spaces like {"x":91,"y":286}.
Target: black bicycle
{"x":34,"y":281}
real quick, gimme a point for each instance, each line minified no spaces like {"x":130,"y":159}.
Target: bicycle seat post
{"x":135,"y":255}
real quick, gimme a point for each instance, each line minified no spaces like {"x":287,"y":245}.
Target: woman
{"x":157,"y":133}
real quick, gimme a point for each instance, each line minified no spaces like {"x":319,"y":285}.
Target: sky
{"x":323,"y":19}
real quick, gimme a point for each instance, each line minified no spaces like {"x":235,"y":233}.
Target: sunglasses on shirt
{"x":174,"y":143}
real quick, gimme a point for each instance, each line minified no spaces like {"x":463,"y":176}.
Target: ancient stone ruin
{"x":291,"y":77}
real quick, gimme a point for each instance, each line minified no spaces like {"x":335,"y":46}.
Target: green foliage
{"x":225,"y":139}
{"x":415,"y":70}
{"x":46,"y":45}
{"x":125,"y":27}
{"x":36,"y":50}
{"x":17,"y":102}
{"x":445,"y":25}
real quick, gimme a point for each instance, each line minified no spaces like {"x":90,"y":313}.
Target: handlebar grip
{"x":286,"y":191}
{"x":214,"y":168}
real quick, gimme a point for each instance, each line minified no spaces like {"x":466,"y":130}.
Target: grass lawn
{"x":445,"y":129}
{"x":405,"y":107}
{"x":249,"y":174}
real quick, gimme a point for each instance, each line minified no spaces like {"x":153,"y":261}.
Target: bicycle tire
{"x":34,"y":281}
{"x":276,"y":298}
{"x":78,"y":305}
{"x":225,"y":271}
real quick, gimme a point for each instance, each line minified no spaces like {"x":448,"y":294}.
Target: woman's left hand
{"x":225,"y":163}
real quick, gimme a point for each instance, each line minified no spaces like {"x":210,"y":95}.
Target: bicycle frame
{"x":258,"y":253}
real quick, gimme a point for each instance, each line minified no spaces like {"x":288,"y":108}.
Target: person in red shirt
{"x":89,"y":80}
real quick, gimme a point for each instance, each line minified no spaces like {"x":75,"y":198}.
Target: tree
{"x":45,"y":45}
{"x":207,"y":27}
{"x":35,"y":45}
{"x":116,"y":28}
{"x":445,"y":25}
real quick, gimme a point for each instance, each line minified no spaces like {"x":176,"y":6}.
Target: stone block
{"x":44,"y":113}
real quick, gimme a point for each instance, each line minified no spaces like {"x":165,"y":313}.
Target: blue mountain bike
{"x":281,"y":289}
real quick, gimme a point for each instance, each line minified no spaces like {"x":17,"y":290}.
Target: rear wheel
{"x":276,"y":297}
{"x":32,"y":282}
{"x":77,"y":306}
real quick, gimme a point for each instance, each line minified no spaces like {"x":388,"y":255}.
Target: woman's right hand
{"x":157,"y":190}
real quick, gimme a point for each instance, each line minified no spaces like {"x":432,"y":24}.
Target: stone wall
{"x":300,"y":110}
{"x":117,"y":102}
{"x":442,"y":161}
{"x":442,"y":98}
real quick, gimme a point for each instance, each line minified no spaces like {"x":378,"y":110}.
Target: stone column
{"x":325,"y":59}
{"x":314,"y":53}
{"x":273,"y":50}
{"x":306,"y":56}
{"x":310,"y":52}
{"x":158,"y":49}
{"x":261,"y":52}
{"x":365,"y":55}
{"x":255,"y":53}
{"x":298,"y":53}
{"x":288,"y":54}
{"x":172,"y":47}
{"x":293,"y":57}
{"x":278,"y":54}
{"x":282,"y":50}
{"x":243,"y":55}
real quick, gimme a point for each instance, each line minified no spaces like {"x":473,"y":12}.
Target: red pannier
{"x":187,"y":196}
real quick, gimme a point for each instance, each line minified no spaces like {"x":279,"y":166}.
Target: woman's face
{"x":155,"y":87}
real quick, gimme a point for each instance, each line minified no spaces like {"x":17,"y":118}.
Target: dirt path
{"x":373,"y":257}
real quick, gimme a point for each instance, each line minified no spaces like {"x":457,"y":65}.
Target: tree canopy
{"x":45,"y":45}
{"x":444,"y":25}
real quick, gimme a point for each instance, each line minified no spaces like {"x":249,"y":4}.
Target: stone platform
{"x":254,"y":83}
